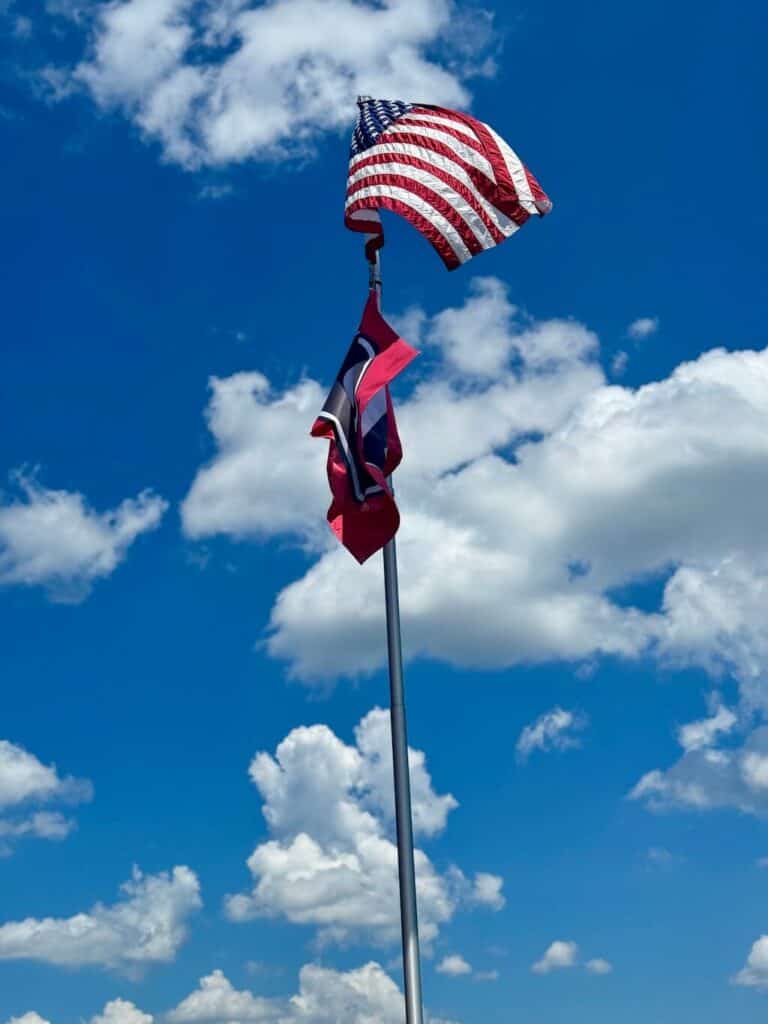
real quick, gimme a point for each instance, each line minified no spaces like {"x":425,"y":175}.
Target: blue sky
{"x":583,"y":567}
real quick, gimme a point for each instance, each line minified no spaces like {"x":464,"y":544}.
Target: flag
{"x":447,"y":173}
{"x":359,"y":421}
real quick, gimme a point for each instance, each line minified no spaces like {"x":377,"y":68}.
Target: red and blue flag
{"x":359,"y":421}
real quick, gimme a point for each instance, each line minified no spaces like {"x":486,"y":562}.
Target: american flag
{"x":447,"y":173}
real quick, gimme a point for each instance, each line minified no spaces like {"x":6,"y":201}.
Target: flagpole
{"x":409,"y":921}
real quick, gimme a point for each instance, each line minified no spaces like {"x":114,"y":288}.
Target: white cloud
{"x":253,"y":487}
{"x":217,"y":1001}
{"x":709,"y":776}
{"x":454,"y":965}
{"x":25,"y":780}
{"x":215,"y":83}
{"x":430,"y":811}
{"x":23,"y":777}
{"x":703,"y":733}
{"x":532,"y":496}
{"x":554,"y":730}
{"x":558,"y":956}
{"x":715,"y":615}
{"x":755,"y":973}
{"x":599,"y":966}
{"x":479,"y":337}
{"x":366,"y":995}
{"x":55,"y":540}
{"x":363,"y":996}
{"x":486,"y":890}
{"x":40,"y":825}
{"x":146,"y":926}
{"x":331,"y":862}
{"x":643,"y":327}
{"x":120,"y":1011}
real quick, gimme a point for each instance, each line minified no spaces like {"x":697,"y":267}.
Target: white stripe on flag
{"x":467,"y":153}
{"x":431,"y":181}
{"x":436,"y":120}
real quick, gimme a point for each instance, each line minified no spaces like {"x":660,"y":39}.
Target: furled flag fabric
{"x":449,"y":174}
{"x":359,"y":421}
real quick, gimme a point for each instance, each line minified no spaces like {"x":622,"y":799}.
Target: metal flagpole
{"x":409,"y":922}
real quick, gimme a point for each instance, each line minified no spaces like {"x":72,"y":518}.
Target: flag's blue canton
{"x":374,"y":118}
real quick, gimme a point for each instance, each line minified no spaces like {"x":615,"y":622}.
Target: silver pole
{"x":409,"y":921}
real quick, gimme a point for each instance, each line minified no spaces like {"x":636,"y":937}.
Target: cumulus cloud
{"x":486,"y":890}
{"x":53,"y":539}
{"x":147,"y":925}
{"x":754,"y":974}
{"x":559,"y":955}
{"x":711,"y":774}
{"x":331,"y":862}
{"x":643,"y":327}
{"x":117,"y":1012}
{"x":23,"y":777}
{"x":325,"y":996}
{"x":454,"y":965}
{"x":120,"y":1011}
{"x":217,"y":1000}
{"x":356,"y":997}
{"x":215,"y":83}
{"x":554,"y":730}
{"x":26,"y":783}
{"x":480,"y":337}
{"x":361,"y":996}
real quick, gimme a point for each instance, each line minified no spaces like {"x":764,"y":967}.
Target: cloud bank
{"x":537,"y":502}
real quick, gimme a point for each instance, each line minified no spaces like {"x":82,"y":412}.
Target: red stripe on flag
{"x":482,"y":182}
{"x":424,"y":165}
{"x":540,"y":197}
{"x":507,"y":198}
{"x":471,"y":143}
{"x":430,"y":232}
{"x":427,"y":195}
